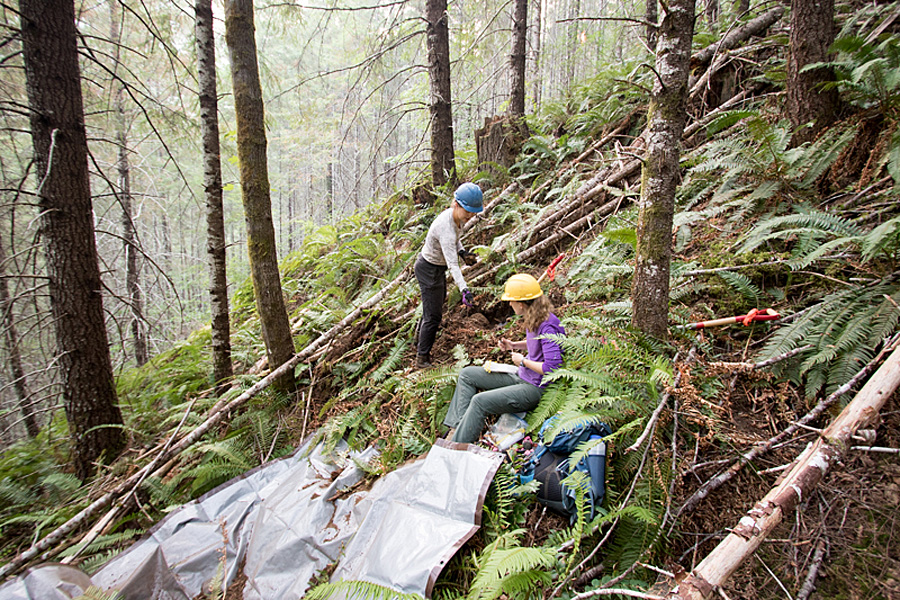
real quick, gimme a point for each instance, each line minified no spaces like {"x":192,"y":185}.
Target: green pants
{"x":501,"y":393}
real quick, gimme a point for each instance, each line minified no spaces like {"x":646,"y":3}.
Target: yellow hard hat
{"x":521,"y":287}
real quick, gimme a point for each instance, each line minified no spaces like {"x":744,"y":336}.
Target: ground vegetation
{"x":810,"y":230}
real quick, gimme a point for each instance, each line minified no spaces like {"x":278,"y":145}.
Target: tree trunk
{"x":132,"y":267}
{"x":500,"y":141}
{"x":67,"y":229}
{"x":443,"y":164}
{"x":810,"y":108}
{"x":290,"y":206}
{"x":538,"y":75}
{"x":11,"y":350}
{"x":329,"y":194}
{"x":660,"y":173}
{"x":251,"y":143}
{"x":572,"y":46}
{"x":712,"y":13}
{"x":651,"y":15}
{"x":517,"y":60}
{"x":212,"y":188}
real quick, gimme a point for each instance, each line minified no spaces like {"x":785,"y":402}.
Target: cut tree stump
{"x":499,"y":142}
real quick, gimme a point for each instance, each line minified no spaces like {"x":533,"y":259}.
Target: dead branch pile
{"x":801,"y":479}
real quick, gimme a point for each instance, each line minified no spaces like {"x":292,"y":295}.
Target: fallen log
{"x":704,"y":490}
{"x":807,"y":471}
{"x":737,"y":36}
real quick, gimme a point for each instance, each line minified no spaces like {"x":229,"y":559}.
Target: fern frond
{"x":844,"y":327}
{"x":815,"y":223}
{"x":506,"y":568}
{"x":742,"y":285}
{"x":391,"y":362}
{"x":357,"y":590}
{"x":883,"y":239}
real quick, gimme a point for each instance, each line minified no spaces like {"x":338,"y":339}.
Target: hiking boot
{"x":423,"y":361}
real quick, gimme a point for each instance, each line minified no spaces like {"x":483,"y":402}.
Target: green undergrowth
{"x":790,"y":235}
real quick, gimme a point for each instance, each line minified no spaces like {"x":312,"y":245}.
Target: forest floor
{"x":852,"y":516}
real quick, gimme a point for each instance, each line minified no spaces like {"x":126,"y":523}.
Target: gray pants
{"x":502,"y":393}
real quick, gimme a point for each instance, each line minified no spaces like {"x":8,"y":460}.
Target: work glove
{"x":468,"y":299}
{"x":468,"y":257}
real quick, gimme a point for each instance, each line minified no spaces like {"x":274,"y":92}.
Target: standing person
{"x":442,"y":251}
{"x":506,"y":392}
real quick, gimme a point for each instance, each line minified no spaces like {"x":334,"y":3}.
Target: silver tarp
{"x":284,"y":522}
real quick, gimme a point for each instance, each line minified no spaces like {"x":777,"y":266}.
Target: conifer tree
{"x":255,"y":192}
{"x":63,"y":189}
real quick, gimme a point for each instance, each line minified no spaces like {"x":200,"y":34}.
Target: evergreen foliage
{"x":747,"y":170}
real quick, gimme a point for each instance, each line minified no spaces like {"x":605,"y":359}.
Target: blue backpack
{"x":550,"y":466}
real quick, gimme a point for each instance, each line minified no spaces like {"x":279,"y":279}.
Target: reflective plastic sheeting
{"x":47,"y":582}
{"x":413,"y":529}
{"x":285,"y":522}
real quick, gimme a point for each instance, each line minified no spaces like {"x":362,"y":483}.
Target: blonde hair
{"x":536,"y":312}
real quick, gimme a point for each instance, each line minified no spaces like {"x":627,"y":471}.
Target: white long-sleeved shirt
{"x":442,"y":246}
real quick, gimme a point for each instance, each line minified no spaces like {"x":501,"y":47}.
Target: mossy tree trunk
{"x":67,"y":229}
{"x":517,"y":60}
{"x":437,"y":40}
{"x":212,"y":187}
{"x":251,"y":143}
{"x":660,"y":175}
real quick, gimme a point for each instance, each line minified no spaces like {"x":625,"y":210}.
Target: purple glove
{"x":467,"y":298}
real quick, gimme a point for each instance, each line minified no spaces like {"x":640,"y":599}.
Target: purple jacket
{"x":544,"y":350}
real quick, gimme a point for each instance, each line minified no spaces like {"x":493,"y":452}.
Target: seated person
{"x":479,"y":393}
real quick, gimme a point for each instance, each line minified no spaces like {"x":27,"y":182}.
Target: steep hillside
{"x":811,"y":232}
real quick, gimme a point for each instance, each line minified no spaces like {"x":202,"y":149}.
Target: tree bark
{"x":651,"y":14}
{"x":129,"y":235}
{"x":809,"y":107}
{"x":517,"y":60}
{"x":67,"y":229}
{"x":660,"y":174}
{"x":572,"y":46}
{"x":329,"y":194}
{"x":251,"y":143}
{"x":14,"y":356}
{"x":212,"y":188}
{"x":443,"y":163}
{"x":538,"y":75}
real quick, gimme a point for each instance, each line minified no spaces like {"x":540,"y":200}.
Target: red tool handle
{"x":550,"y":272}
{"x":754,"y":315}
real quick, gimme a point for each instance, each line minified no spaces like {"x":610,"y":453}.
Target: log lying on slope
{"x":805,"y":474}
{"x":737,"y":36}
